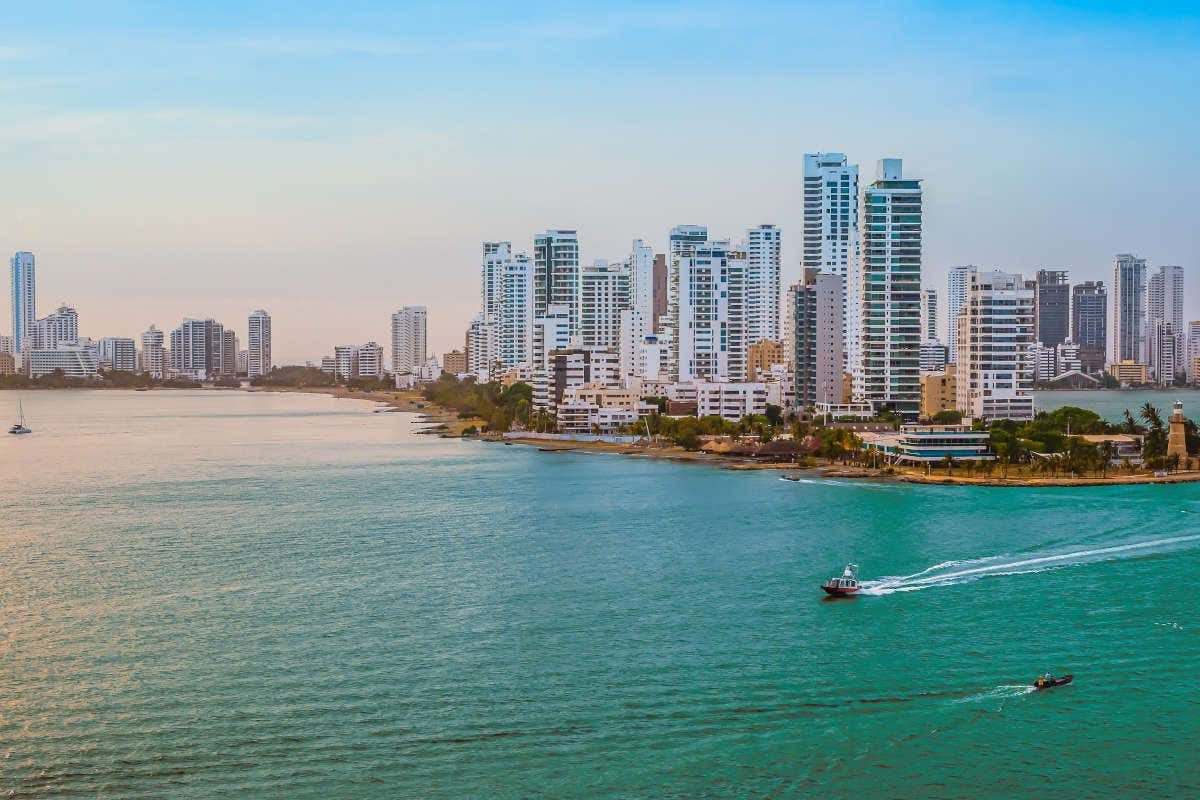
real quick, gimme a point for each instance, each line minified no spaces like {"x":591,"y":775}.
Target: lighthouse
{"x":1176,"y":439}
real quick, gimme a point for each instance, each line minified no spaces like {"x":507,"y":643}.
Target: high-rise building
{"x":551,"y":332}
{"x":556,"y":273}
{"x":408,"y":339}
{"x":762,"y":300}
{"x":637,"y":321}
{"x":495,"y":254}
{"x":707,"y":283}
{"x":604,"y":292}
{"x":929,"y":314}
{"x":660,"y":289}
{"x":118,"y":353}
{"x":258,"y":344}
{"x":196,"y":348}
{"x":681,"y":242}
{"x":1053,"y":303}
{"x":1193,"y":351}
{"x":23,"y":277}
{"x":7,"y":344}
{"x":815,"y":327}
{"x":229,"y":352}
{"x":956,"y":298}
{"x":1164,"y":353}
{"x":345,"y":360}
{"x":52,"y":330}
{"x":1164,"y":303}
{"x":1089,"y":324}
{"x":1127,"y":339}
{"x":995,"y":337}
{"x":889,"y":373}
{"x":152,"y":353}
{"x":369,"y":360}
{"x":934,"y":356}
{"x":514,"y":337}
{"x":831,"y":234}
{"x":482,"y":344}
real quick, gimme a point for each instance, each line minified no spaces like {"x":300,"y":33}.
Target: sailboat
{"x":19,"y":426}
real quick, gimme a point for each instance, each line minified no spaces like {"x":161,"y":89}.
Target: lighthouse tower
{"x":1176,"y":440}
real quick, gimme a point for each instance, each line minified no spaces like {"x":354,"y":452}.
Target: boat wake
{"x":950,"y":573}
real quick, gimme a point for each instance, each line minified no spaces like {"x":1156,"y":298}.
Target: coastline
{"x":446,"y":423}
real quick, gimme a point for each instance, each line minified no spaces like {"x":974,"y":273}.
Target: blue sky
{"x":331,"y":162}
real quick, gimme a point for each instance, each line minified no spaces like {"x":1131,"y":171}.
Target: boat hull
{"x":1063,"y":681}
{"x":838,"y":591}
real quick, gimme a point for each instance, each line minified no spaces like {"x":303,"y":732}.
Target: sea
{"x":231,"y":594}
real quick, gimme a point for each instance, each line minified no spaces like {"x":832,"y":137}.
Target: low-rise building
{"x":762,"y":356}
{"x":1126,"y":446}
{"x":577,"y":417}
{"x":8,"y":363}
{"x":934,"y":356}
{"x":455,"y":362}
{"x":74,"y":361}
{"x":929,"y":444}
{"x":939,"y":392}
{"x":604,"y":396}
{"x":730,"y":400}
{"x":1129,"y":372}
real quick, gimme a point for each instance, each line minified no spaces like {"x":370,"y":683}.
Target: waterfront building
{"x":514,"y":334}
{"x":153,"y":360}
{"x":604,"y":292}
{"x":934,"y":356}
{"x":1128,"y":336}
{"x":52,"y":330}
{"x":1192,"y":350}
{"x":229,"y":352}
{"x":192,"y":348}
{"x":1044,"y":360}
{"x":577,"y":366}
{"x":1069,"y":358}
{"x":653,"y":359}
{"x":556,"y":273}
{"x":731,"y":400}
{"x":956,"y":298}
{"x":888,"y":373}
{"x":409,"y":349}
{"x":939,"y":392}
{"x":995,"y":337}
{"x":118,"y":353}
{"x":369,"y":361}
{"x":929,"y":444}
{"x":762,"y":356}
{"x":1089,"y":324}
{"x":23,"y":284}
{"x":1129,"y":373}
{"x":243,"y":362}
{"x":587,"y":418}
{"x":7,"y":344}
{"x":1166,"y":360}
{"x":831,"y":235}
{"x":75,"y":361}
{"x":454,"y":362}
{"x":345,"y":360}
{"x":8,"y":363}
{"x":761,"y":294}
{"x":482,"y":347}
{"x":815,"y":326}
{"x":705,"y":310}
{"x":258,"y":352}
{"x":929,"y":315}
{"x":1164,"y":304}
{"x":495,"y":256}
{"x":329,"y":364}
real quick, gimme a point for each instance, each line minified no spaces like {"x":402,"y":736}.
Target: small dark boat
{"x":847,"y":584}
{"x":793,"y":478}
{"x":1048,"y":681}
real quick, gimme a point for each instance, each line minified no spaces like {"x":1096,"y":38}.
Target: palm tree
{"x":1107,"y":451}
{"x":1131,"y":425}
{"x":1150,"y":414}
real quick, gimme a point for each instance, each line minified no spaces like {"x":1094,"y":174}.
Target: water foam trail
{"x":915,"y":582}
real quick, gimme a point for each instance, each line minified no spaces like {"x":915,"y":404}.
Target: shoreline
{"x":446,"y":423}
{"x":845,"y":471}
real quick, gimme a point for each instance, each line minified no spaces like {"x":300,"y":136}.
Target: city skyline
{"x":343,"y":167}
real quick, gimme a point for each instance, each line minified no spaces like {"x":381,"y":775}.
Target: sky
{"x":334,"y":162}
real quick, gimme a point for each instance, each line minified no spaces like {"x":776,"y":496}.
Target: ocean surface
{"x":224,"y":594}
{"x":1111,"y":404}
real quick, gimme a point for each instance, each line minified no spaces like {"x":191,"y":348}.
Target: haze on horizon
{"x":333,"y":165}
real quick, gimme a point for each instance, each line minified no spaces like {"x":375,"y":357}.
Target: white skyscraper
{"x":516,"y":315}
{"x":762,"y":307}
{"x":258,"y":352}
{"x":152,"y":353}
{"x":888,"y":375}
{"x":23,"y":277}
{"x":682,"y":240}
{"x":995,"y":349}
{"x":929,"y":314}
{"x":637,"y":321}
{"x":1193,"y":351}
{"x":831,"y":233}
{"x":702,"y":287}
{"x":495,"y":254}
{"x":1127,"y":340}
{"x":551,"y":331}
{"x":408,"y":339}
{"x":52,"y":330}
{"x":556,"y":273}
{"x":1164,"y":304}
{"x":603,"y":295}
{"x":956,"y":298}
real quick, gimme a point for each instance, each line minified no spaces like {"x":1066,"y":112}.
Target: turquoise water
{"x":1111,"y":404}
{"x":213,"y":594}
